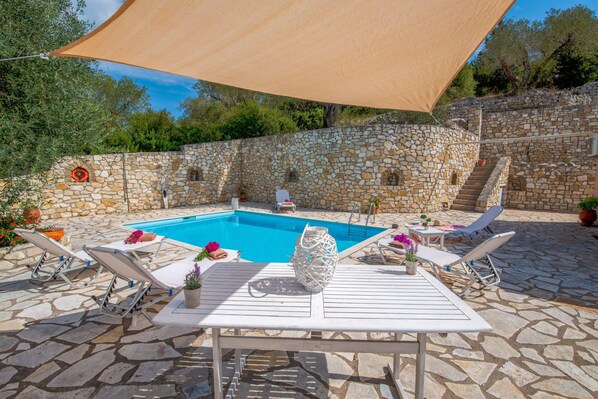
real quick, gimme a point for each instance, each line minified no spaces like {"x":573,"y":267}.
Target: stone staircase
{"x":467,"y":197}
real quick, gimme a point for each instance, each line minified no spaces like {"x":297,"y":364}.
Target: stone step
{"x":467,"y":197}
{"x":470,"y":191}
{"x":465,"y":202}
{"x":475,"y":184}
{"x":467,"y":208}
{"x":481,"y":174}
{"x":478,"y":177}
{"x":484,"y":169}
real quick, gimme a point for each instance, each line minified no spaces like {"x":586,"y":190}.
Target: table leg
{"x":442,"y":242}
{"x":237,"y":356}
{"x":395,"y":371}
{"x":420,"y":366}
{"x":396,"y":367}
{"x":217,"y":363}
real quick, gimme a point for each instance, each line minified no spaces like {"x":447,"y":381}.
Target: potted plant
{"x":425,"y":220}
{"x":242,"y":193}
{"x":410,"y":247}
{"x":55,"y":233}
{"x":588,"y":207}
{"x":376,"y":201}
{"x":192,"y":287}
{"x":31,"y":213}
{"x":481,"y":162}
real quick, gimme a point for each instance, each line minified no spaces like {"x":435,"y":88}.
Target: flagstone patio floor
{"x":55,"y":344}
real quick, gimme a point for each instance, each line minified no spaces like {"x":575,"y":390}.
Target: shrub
{"x":588,"y":204}
{"x":8,"y":224}
{"x":249,"y":119}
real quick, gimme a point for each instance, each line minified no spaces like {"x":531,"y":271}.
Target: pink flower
{"x":212,"y":246}
{"x":134,"y":237}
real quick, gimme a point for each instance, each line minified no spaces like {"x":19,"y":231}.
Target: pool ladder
{"x":357,"y":206}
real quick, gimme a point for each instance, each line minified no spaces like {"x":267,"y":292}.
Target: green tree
{"x":574,"y":71}
{"x":226,"y":95}
{"x":202,"y":111}
{"x":121,"y":99}
{"x":463,"y":85}
{"x":249,"y":119}
{"x":538,"y":54}
{"x":149,"y":131}
{"x":307,"y":115}
{"x":48,"y":108}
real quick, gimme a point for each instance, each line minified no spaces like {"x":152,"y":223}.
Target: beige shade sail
{"x":395,"y":54}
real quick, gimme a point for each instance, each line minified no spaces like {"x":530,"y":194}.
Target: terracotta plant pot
{"x":32,"y":215}
{"x":55,"y":233}
{"x":481,"y":162}
{"x":243,"y":197}
{"x":377,"y":210}
{"x":192,"y":298}
{"x":588,"y":218}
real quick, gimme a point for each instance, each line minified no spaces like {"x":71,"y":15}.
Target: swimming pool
{"x":260,"y":237}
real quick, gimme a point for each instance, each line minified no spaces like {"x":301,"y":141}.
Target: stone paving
{"x":55,"y":344}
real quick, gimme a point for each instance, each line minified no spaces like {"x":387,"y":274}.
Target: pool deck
{"x":54,"y":344}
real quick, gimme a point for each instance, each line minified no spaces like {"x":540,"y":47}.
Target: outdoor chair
{"x":476,"y":264}
{"x":162,"y":283}
{"x":57,"y":260}
{"x":281,"y":196}
{"x":482,"y":223}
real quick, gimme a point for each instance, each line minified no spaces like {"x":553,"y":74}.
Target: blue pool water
{"x":259,"y":237}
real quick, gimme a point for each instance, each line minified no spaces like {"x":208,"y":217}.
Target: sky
{"x":167,"y":91}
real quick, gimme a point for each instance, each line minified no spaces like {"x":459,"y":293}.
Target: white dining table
{"x":360,"y":298}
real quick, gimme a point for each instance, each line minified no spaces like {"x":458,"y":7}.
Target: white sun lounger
{"x":482,"y":223}
{"x":66,"y":260}
{"x":282,"y":195}
{"x":167,"y":280}
{"x":473,"y":263}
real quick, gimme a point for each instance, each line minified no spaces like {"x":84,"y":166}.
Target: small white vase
{"x":192,"y":298}
{"x":411,"y":267}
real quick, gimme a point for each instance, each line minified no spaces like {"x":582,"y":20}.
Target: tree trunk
{"x":330,"y":114}
{"x":561,"y":48}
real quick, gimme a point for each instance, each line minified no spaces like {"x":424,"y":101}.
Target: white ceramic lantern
{"x":315,"y":258}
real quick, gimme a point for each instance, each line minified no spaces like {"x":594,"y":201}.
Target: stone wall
{"x":552,"y":174}
{"x":408,"y":167}
{"x":103,"y":193}
{"x":332,"y":168}
{"x":491,"y":193}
